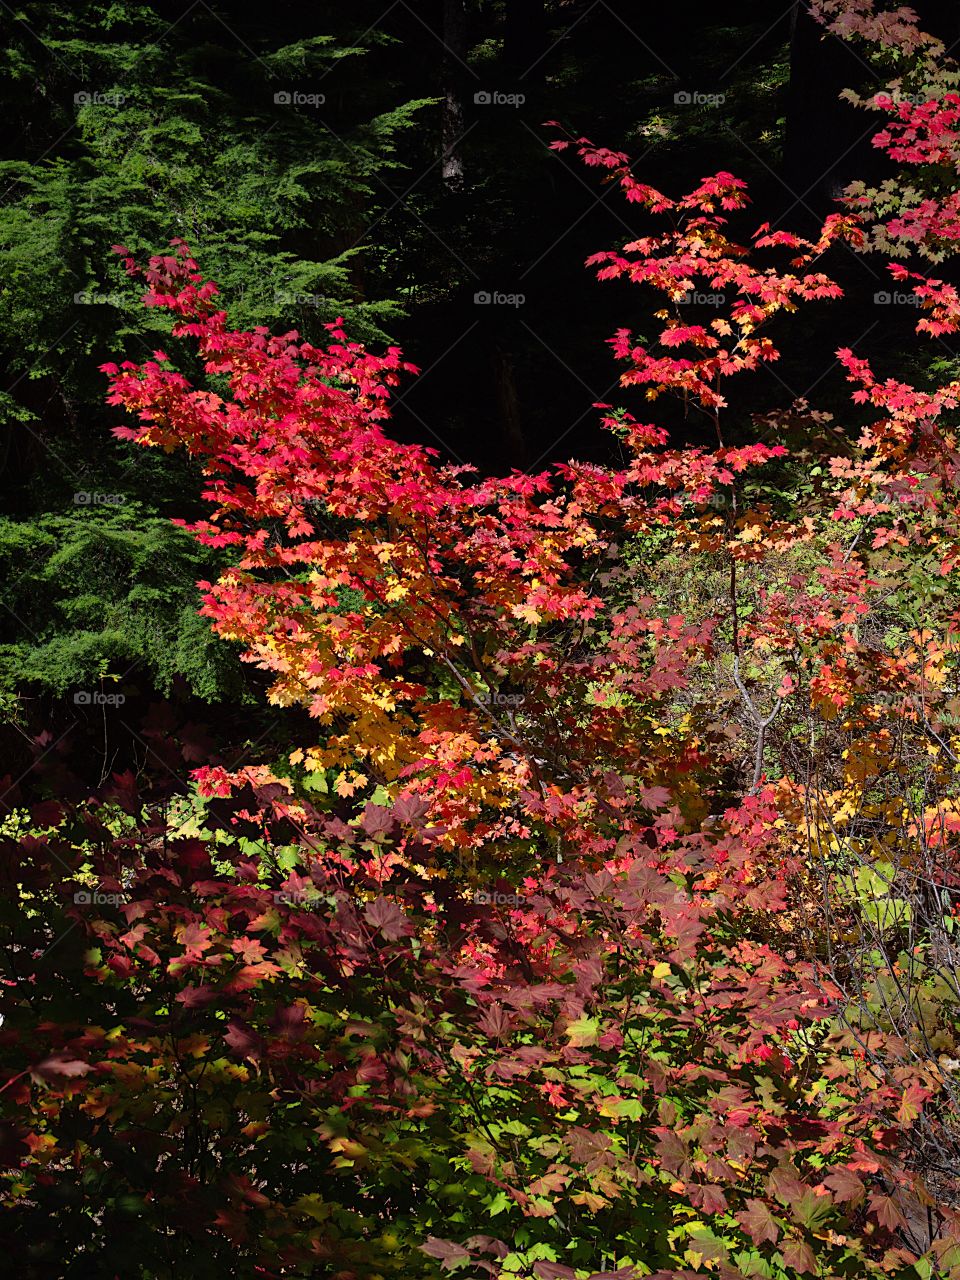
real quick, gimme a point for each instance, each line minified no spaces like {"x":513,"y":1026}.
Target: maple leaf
{"x":196,"y":997}
{"x":846,"y":1186}
{"x":886,"y":1211}
{"x":584,"y":1031}
{"x":385,"y":915}
{"x":655,"y":797}
{"x":495,"y":1022}
{"x":758,"y":1222}
{"x":195,"y":938}
{"x":445,"y":1251}
{"x":242,"y":1041}
{"x":707,"y":1197}
{"x":798,"y":1255}
{"x":410,"y":810}
{"x":911,"y":1103}
{"x":290,"y":1023}
{"x":60,"y":1065}
{"x":377,"y":820}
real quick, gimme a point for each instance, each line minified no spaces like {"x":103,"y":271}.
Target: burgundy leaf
{"x":798,"y":1255}
{"x":445,"y":1251}
{"x":411,"y":810}
{"x":377,"y":821}
{"x":196,"y":997}
{"x":388,"y":918}
{"x":758,"y":1222}
{"x":846,"y":1186}
{"x":244,"y":1042}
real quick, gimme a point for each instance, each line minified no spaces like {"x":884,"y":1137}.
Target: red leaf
{"x":411,"y":810}
{"x":886,"y":1212}
{"x":758,"y":1222}
{"x":196,"y":997}
{"x":445,"y":1251}
{"x":244,"y":1042}
{"x":376,"y":820}
{"x":290,"y":1023}
{"x":195,"y":939}
{"x":798,"y":1255}
{"x":706,"y":1196}
{"x":495,"y":1022}
{"x":386,"y":916}
{"x":845,"y":1185}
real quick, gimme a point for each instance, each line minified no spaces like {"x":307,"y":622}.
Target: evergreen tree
{"x":264,"y":145}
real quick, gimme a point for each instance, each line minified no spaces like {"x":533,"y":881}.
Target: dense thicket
{"x":550,"y":873}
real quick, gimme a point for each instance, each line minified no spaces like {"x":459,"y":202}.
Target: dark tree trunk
{"x":508,"y":405}
{"x":525,"y":41}
{"x":454,"y":72}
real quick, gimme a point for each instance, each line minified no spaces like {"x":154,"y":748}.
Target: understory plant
{"x":604,"y":923}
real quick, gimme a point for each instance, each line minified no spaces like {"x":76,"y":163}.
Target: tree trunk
{"x":508,"y":404}
{"x":525,"y":41}
{"x":454,"y":60}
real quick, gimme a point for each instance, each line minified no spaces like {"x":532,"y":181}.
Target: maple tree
{"x":604,"y":927}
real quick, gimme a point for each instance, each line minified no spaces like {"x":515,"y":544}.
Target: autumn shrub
{"x":604,"y":924}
